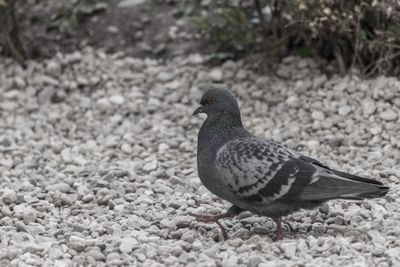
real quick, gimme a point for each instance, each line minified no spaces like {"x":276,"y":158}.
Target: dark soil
{"x":150,"y":29}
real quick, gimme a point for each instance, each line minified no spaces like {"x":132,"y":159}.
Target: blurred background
{"x":338,"y":34}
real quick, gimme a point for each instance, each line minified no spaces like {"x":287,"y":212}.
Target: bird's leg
{"x":231,"y":212}
{"x":279,"y":230}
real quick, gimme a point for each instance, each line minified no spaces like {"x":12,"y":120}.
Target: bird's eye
{"x":211,"y":100}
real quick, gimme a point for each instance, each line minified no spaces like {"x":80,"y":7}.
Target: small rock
{"x":254,"y":261}
{"x":215,"y":75}
{"x":7,"y":162}
{"x":160,"y":49}
{"x":176,"y":251}
{"x":302,"y":245}
{"x":21,"y":227}
{"x":376,"y":237}
{"x":29,"y":215}
{"x":128,"y":244}
{"x":163,"y":147}
{"x":344,"y":110}
{"x":212,"y":251}
{"x":197,"y":246}
{"x":73,"y":57}
{"x":283,"y":72}
{"x":313,"y":144}
{"x":112,"y":29}
{"x":388,"y":115}
{"x":274,"y":263}
{"x":96,"y":254}
{"x":394,"y":253}
{"x":231,"y":261}
{"x":293,"y":101}
{"x":318,"y":115}
{"x":87,"y":198}
{"x":241,"y":74}
{"x":12,"y":94}
{"x":126,"y":148}
{"x":53,"y":67}
{"x":81,"y":81}
{"x":5,"y":210}
{"x":5,"y":142}
{"x":130,"y":3}
{"x":33,"y":248}
{"x":66,"y":155}
{"x":368,"y":107}
{"x":103,"y":104}
{"x":338,"y":220}
{"x":319,"y":228}
{"x":289,"y":249}
{"x":19,"y":82}
{"x":324,"y":208}
{"x":62,"y":187}
{"x":150,"y":166}
{"x":165,"y":76}
{"x":55,"y":253}
{"x":116,"y":99}
{"x":175,"y":180}
{"x":79,"y":244}
{"x":63,"y":263}
{"x":8,"y":196}
{"x":319,"y":81}
{"x":182,"y":221}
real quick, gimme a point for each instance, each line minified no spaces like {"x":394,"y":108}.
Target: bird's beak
{"x":198,"y":110}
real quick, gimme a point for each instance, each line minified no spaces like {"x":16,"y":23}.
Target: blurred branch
{"x":10,"y":30}
{"x":261,"y":16}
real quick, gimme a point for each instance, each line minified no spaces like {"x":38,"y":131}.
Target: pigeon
{"x":261,"y":176}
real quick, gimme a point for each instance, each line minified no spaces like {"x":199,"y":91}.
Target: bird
{"x":259,"y":175}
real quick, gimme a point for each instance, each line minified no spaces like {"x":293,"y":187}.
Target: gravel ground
{"x":98,"y":168}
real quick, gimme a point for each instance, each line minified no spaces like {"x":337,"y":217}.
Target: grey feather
{"x":262,"y":176}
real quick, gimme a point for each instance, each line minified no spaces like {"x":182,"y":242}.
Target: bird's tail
{"x":334,"y":184}
{"x":367,"y":188}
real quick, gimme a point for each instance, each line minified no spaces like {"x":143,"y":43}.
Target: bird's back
{"x":269,"y":179}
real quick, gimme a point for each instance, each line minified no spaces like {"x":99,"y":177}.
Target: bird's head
{"x":217,"y":99}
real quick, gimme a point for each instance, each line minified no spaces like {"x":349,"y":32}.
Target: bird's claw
{"x":210,"y":219}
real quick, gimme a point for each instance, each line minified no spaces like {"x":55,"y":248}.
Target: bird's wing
{"x":262,"y":171}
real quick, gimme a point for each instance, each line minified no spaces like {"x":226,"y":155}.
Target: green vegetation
{"x":68,"y":19}
{"x":362,"y":33}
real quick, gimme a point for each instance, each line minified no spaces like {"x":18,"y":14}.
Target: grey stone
{"x":376,"y":236}
{"x":128,"y":244}
{"x":62,"y":187}
{"x":318,"y":115}
{"x":116,"y":99}
{"x":215,"y":75}
{"x":96,"y":254}
{"x":289,"y":249}
{"x":389,"y":115}
{"x":8,"y":196}
{"x":150,"y":166}
{"x":126,"y":148}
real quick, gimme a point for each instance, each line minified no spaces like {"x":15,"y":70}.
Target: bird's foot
{"x":279,"y":236}
{"x":206,"y":218}
{"x":280,"y":233}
